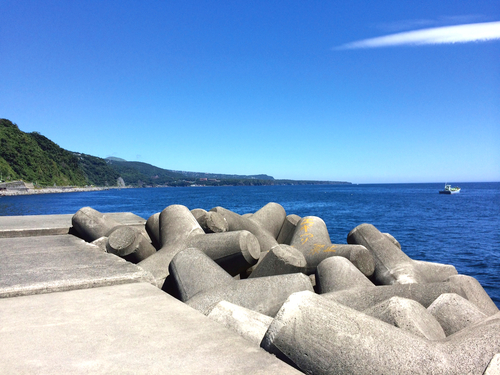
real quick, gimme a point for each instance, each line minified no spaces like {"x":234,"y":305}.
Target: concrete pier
{"x":68,"y":307}
{"x":43,"y":225}
{"x":72,"y":300}
{"x":48,"y":264}
{"x":121,"y":329}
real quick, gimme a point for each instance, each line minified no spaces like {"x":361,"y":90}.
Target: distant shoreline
{"x":70,"y":189}
{"x":54,"y":190}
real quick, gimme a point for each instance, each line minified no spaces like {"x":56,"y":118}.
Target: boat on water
{"x":449,"y":190}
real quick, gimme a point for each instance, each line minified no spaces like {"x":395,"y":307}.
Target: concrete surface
{"x":70,"y":308}
{"x":123,"y":329}
{"x":44,"y":264}
{"x":494,"y":366}
{"x":43,"y":225}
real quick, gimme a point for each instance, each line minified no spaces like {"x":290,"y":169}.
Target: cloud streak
{"x":474,"y":32}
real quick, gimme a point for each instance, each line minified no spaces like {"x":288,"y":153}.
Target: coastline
{"x":54,"y":190}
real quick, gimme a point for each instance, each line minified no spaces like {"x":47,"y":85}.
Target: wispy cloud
{"x":425,"y":23}
{"x":474,"y":32}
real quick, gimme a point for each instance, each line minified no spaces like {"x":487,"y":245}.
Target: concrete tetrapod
{"x":391,"y":264}
{"x":235,"y":251}
{"x":319,"y":336}
{"x":365,"y":297}
{"x":122,"y":240}
{"x":153,"y":230}
{"x":247,"y":323}
{"x":280,"y":260}
{"x":409,"y":315}
{"x":210,"y":222}
{"x":434,"y":271}
{"x":393,"y":240}
{"x":193,"y":272}
{"x":101,"y":243}
{"x":198,"y":212}
{"x":454,"y":312}
{"x":288,"y":228}
{"x":177,"y":225}
{"x":201,"y":284}
{"x":270,"y":217}
{"x":312,"y":239}
{"x":129,"y":243}
{"x":338,"y":273}
{"x":474,"y":293}
{"x":91,"y":224}
{"x":238,"y":222}
{"x":362,"y":298}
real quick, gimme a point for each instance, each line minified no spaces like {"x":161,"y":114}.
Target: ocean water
{"x":461,"y":229}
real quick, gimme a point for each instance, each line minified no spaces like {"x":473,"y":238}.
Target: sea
{"x":460,"y":229}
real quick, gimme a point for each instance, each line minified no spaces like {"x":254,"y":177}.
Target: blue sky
{"x":359,"y":91}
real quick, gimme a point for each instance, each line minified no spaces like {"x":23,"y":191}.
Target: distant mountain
{"x":143,"y":174}
{"x":34,"y":158}
{"x":136,"y":173}
{"x":113,"y":158}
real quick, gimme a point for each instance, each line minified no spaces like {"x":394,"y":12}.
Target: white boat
{"x":449,"y":190}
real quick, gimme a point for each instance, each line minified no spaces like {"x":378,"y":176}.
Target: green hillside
{"x":34,"y":158}
{"x":142,"y":174}
{"x":136,"y":173}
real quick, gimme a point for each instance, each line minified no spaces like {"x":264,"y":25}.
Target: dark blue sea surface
{"x":461,"y":229}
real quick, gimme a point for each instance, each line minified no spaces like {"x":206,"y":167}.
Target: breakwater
{"x":276,"y":278}
{"x":460,"y":229}
{"x":51,"y":190}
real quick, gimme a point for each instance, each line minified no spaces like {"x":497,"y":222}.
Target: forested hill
{"x":34,"y":158}
{"x":143,"y":174}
